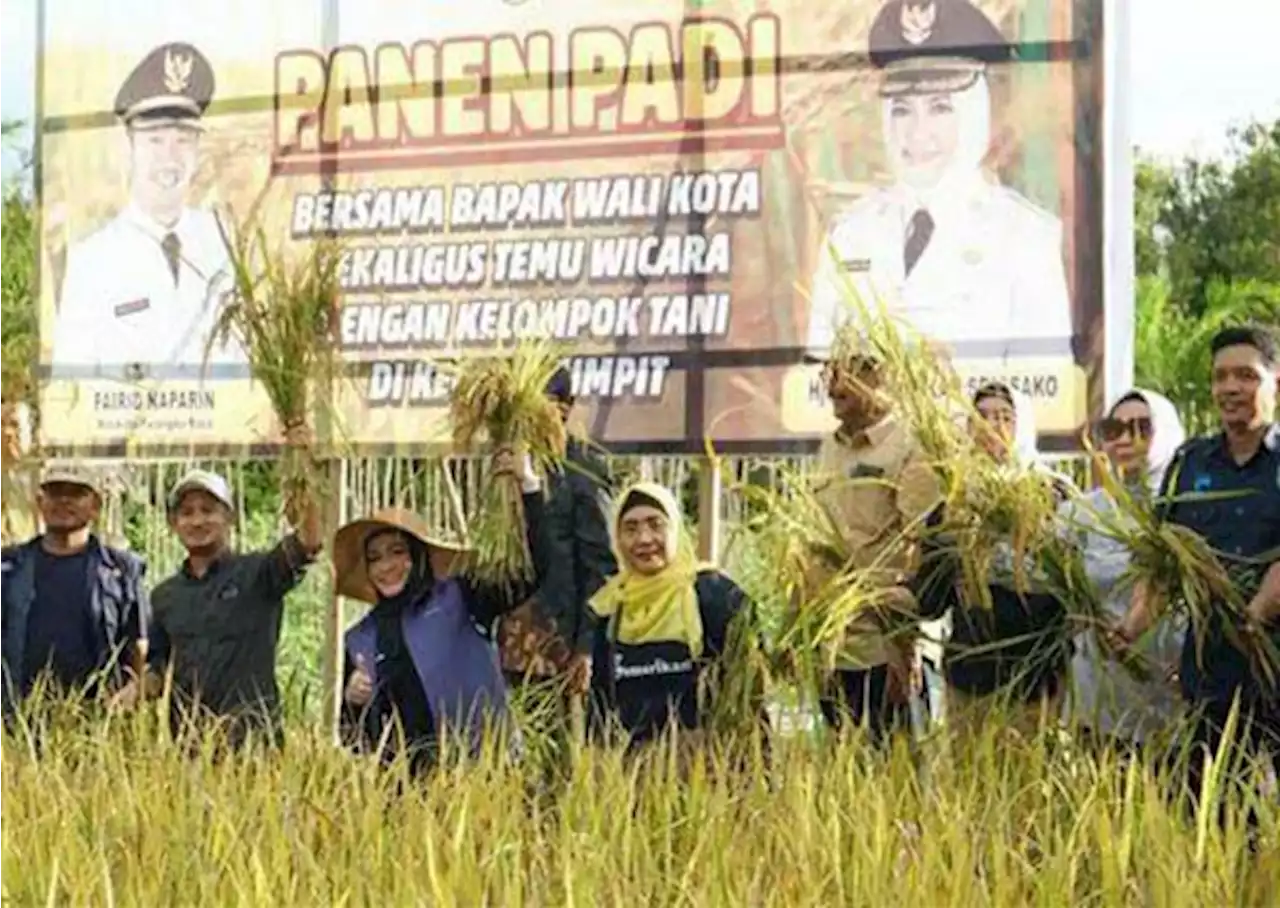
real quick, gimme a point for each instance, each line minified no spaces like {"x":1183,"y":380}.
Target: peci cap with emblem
{"x":201,"y":481}
{"x":930,"y":46}
{"x":172,"y":85}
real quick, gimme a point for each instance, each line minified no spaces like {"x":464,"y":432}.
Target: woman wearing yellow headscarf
{"x":665,"y":616}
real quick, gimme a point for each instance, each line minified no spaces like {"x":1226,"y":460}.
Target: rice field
{"x":111,"y":811}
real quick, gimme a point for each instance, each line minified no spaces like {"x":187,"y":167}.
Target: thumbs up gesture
{"x":360,"y":685}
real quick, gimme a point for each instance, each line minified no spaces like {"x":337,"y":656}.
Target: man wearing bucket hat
{"x":75,"y":609}
{"x":217,"y":620}
{"x":967,"y":261}
{"x":419,"y":665}
{"x":553,"y":635}
{"x":141,"y":294}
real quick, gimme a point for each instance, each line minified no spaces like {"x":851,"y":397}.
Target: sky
{"x":1197,"y":67}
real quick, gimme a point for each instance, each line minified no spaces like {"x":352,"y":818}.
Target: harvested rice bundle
{"x":989,"y":509}
{"x":1178,"y":568}
{"x":283,"y":311}
{"x":501,"y":401}
{"x":812,"y":573}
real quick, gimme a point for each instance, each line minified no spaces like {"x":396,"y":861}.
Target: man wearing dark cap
{"x":967,"y":261}
{"x":553,"y":636}
{"x":75,"y":611}
{"x":141,"y":294}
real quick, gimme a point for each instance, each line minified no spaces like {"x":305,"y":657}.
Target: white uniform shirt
{"x":991,"y":275}
{"x":122,"y":308}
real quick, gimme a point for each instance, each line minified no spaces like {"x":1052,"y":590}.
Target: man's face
{"x":1244,"y":387}
{"x":853,"y":389}
{"x":202,"y":522}
{"x":67,"y":506}
{"x":162,"y":164}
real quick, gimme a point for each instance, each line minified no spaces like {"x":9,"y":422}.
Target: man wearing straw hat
{"x":141,"y":295}
{"x":217,"y":620}
{"x":75,"y":609}
{"x":874,"y":479}
{"x":554,"y":634}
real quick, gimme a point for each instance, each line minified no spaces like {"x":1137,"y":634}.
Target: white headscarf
{"x":972,"y":107}
{"x":1167,"y":432}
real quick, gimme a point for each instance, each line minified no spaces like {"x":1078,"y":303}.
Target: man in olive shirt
{"x":874,"y":479}
{"x":216,"y":622}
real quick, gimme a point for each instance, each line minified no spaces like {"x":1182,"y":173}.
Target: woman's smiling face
{"x":389,"y":562}
{"x":642,"y":538}
{"x":926,"y":132}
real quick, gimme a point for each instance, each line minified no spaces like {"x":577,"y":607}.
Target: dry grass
{"x":113,"y":813}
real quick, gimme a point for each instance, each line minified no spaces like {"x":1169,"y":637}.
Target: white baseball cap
{"x":204,"y":481}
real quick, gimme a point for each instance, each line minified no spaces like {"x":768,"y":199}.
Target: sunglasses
{"x":1115,"y":429}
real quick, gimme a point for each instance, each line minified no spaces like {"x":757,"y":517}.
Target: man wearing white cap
{"x":75,"y":611}
{"x":217,"y":619}
{"x":141,"y":295}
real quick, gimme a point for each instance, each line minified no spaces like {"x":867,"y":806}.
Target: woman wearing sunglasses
{"x":1111,"y":705}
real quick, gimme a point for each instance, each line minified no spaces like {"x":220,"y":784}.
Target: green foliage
{"x":19,"y":315}
{"x":1203,"y":223}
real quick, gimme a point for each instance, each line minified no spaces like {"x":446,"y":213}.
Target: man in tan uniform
{"x":874,"y":479}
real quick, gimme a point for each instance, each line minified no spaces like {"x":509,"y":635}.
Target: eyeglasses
{"x":1115,"y":429}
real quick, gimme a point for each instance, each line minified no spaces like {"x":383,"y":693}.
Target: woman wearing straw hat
{"x":419,"y":666}
{"x":667,"y":620}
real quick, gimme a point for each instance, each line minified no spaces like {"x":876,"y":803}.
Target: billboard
{"x":672,"y":189}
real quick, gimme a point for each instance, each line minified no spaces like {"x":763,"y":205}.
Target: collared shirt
{"x":123,"y":314}
{"x":878,"y":485}
{"x":991,"y":279}
{"x":220,"y":631}
{"x":1236,"y":508}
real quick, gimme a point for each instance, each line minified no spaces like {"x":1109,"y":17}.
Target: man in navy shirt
{"x":74,"y":610}
{"x":1226,"y":487}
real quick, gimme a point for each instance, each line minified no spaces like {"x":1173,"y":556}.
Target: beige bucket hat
{"x":350,"y":575}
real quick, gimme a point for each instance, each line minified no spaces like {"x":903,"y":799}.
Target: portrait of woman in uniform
{"x":965,"y":260}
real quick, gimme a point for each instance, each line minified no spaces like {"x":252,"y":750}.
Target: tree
{"x":1203,"y":223}
{"x":19,"y":317}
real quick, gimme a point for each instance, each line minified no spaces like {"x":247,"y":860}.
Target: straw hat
{"x":351,"y":578}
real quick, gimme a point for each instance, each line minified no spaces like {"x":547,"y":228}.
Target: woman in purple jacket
{"x":419,"y":665}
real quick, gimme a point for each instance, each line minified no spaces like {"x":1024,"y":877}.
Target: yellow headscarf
{"x":660,"y":607}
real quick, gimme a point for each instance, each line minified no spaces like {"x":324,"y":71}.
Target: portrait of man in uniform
{"x":142,"y":293}
{"x":968,"y":262}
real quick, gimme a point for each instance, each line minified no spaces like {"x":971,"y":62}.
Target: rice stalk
{"x":987,"y":506}
{"x":825,"y":585}
{"x":1177,"y":568}
{"x":283,"y":310}
{"x":500,"y":401}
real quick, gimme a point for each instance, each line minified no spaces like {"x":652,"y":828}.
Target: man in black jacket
{"x":75,"y":611}
{"x":553,"y":636}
